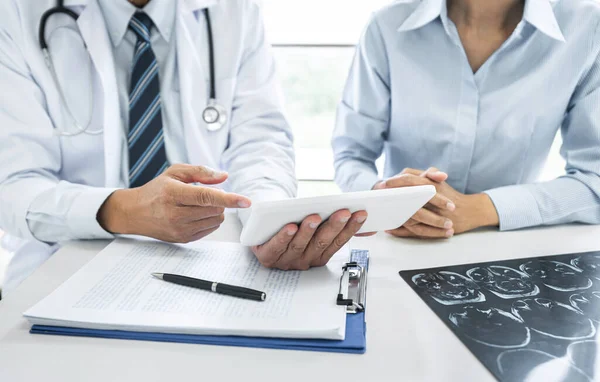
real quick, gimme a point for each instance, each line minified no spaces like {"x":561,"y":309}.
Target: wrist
{"x":483,"y":211}
{"x":114,"y":215}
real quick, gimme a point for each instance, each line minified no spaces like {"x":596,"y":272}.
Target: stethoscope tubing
{"x":61,"y":9}
{"x":211,"y":55}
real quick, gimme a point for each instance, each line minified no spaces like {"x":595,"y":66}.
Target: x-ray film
{"x":524,"y":319}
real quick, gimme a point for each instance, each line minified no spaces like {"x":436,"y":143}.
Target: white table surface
{"x":405,"y":340}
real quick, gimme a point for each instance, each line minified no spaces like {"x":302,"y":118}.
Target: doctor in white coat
{"x":128,"y":149}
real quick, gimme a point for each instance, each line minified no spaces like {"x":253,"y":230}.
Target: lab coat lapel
{"x":193,"y":84}
{"x":94,"y":33}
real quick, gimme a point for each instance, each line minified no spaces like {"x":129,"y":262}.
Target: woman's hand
{"x":425,"y":223}
{"x":448,"y":213}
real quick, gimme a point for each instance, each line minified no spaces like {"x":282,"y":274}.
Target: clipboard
{"x":352,"y":292}
{"x":353,"y":287}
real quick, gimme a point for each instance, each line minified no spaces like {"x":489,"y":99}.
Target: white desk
{"x":405,"y":340}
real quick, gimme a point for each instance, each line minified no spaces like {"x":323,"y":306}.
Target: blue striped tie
{"x":147,"y":155}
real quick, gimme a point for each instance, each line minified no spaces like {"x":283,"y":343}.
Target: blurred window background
{"x":314,"y":43}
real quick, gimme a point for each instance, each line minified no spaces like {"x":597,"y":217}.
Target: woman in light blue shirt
{"x":479,"y":90}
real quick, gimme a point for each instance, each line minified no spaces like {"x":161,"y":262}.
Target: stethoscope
{"x":214,"y":115}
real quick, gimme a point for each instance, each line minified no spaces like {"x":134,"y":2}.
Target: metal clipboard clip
{"x":354,"y":283}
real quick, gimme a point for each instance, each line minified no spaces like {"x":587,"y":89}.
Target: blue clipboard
{"x":355,"y":341}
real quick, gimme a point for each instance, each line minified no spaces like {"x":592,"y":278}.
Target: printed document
{"x":115,"y":291}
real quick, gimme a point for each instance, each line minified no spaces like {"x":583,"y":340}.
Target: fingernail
{"x":448,"y":224}
{"x":361,"y":219}
{"x":218,"y":174}
{"x":345,"y":219}
{"x":450,"y":233}
{"x":291,"y":232}
{"x":313,"y":225}
{"x":451,"y":206}
{"x":243,"y":204}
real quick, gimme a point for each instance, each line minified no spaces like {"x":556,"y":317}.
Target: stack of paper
{"x":116,"y":291}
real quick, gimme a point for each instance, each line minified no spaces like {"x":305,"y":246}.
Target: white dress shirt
{"x":413,"y":95}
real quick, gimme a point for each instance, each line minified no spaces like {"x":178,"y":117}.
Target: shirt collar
{"x":118,"y":13}
{"x":538,"y":13}
{"x":426,"y":12}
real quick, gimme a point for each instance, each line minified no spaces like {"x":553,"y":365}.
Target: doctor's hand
{"x":310,"y":244}
{"x":466,"y":213}
{"x":170,"y":208}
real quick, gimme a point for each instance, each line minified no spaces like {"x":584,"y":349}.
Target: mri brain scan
{"x":504,"y":282}
{"x":589,"y":264}
{"x":556,"y":275}
{"x":566,"y":323}
{"x":588,"y":303}
{"x":449,"y":288}
{"x":491,"y":326}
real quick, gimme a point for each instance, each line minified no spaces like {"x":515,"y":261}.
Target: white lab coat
{"x":255,"y":147}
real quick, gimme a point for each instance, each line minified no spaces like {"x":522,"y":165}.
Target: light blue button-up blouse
{"x":412,"y":94}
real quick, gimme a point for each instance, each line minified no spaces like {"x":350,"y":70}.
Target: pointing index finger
{"x":191,"y":195}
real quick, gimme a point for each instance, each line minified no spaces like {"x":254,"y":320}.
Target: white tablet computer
{"x":387,"y":209}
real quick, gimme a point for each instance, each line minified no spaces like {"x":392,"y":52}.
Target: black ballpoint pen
{"x":220,"y":288}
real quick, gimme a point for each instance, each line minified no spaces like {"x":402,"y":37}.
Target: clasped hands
{"x":448,"y":213}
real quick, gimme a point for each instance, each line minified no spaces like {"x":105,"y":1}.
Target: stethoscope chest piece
{"x":215,"y":116}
